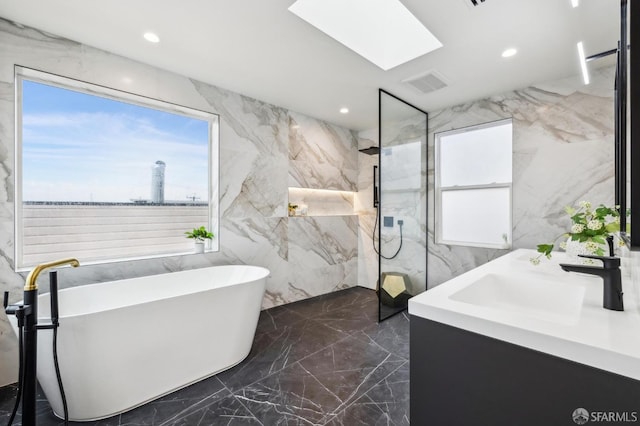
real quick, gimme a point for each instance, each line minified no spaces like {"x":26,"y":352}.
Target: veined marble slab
{"x":263,"y":148}
{"x":562,"y":154}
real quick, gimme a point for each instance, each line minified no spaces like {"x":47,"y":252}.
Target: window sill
{"x":476,"y":245}
{"x":124,"y":259}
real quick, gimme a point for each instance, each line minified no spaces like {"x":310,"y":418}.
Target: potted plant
{"x":199,"y":236}
{"x":589,"y":231}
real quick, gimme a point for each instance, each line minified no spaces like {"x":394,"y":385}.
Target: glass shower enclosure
{"x":402,"y":203}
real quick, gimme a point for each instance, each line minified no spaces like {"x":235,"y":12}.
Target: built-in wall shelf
{"x":321,"y":202}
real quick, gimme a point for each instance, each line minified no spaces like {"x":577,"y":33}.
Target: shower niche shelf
{"x":321,"y":202}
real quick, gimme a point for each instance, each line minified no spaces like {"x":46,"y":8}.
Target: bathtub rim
{"x":264,"y":274}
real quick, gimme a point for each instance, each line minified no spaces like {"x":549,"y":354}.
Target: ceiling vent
{"x":426,"y":83}
{"x":473,"y":3}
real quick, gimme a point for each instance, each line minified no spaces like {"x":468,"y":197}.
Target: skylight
{"x":384,"y":32}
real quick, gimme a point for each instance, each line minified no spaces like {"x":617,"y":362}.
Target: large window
{"x":105,"y":175}
{"x":473,"y":185}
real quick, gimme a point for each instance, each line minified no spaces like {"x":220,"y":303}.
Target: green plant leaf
{"x":612,"y":227}
{"x":578,"y":218}
{"x":199,"y":234}
{"x":604,"y":211}
{"x":545,"y":249}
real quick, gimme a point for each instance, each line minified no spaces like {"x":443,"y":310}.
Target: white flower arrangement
{"x":591,"y":227}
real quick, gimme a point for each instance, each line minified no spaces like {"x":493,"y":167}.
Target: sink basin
{"x":545,"y":300}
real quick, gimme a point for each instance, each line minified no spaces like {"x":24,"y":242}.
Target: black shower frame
{"x":379,"y":195}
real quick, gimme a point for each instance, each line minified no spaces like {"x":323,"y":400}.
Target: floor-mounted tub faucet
{"x":27,"y":315}
{"x":612,"y":279}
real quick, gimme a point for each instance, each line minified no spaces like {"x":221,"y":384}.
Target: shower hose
{"x":21,"y":374}
{"x":375,"y":226}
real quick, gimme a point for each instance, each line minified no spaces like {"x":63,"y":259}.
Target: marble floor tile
{"x":226,"y":411}
{"x":7,"y":401}
{"x":294,"y":394}
{"x":387,"y":403}
{"x":274,"y":351}
{"x":351,"y":367}
{"x":391,"y":334}
{"x":324,"y":360}
{"x":392,"y":396}
{"x":349,"y":319}
{"x":362,"y":412}
{"x":355,"y":298}
{"x":277,"y":318}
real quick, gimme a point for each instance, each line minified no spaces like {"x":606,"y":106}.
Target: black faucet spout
{"x":611,"y":276}
{"x":584,"y":269}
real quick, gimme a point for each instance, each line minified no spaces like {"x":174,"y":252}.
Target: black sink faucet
{"x":610,"y":273}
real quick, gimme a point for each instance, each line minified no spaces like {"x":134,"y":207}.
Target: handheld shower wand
{"x":376,"y":205}
{"x":375,"y":188}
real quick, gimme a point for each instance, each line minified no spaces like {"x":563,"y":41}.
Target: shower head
{"x":372,"y":150}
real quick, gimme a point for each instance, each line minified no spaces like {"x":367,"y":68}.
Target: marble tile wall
{"x":321,"y":156}
{"x":563,"y":153}
{"x":367,"y":257}
{"x":314,"y":202}
{"x":323,"y":250}
{"x":263,"y":150}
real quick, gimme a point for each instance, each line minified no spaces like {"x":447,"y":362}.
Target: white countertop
{"x":588,"y":334}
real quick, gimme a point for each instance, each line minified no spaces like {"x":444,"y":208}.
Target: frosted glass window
{"x":477,"y":216}
{"x":476,"y":156}
{"x":473,"y":185}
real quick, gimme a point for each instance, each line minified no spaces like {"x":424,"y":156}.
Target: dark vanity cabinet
{"x":460,"y":378}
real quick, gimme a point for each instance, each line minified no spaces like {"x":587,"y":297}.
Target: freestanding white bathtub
{"x":124,"y":343}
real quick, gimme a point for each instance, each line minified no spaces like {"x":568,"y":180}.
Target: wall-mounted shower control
{"x":387,"y":221}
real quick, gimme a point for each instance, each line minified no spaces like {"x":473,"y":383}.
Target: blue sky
{"x":79,"y":147}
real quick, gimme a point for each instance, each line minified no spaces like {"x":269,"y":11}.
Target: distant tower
{"x":157,"y":182}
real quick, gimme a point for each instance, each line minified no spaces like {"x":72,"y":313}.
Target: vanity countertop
{"x":542,"y":308}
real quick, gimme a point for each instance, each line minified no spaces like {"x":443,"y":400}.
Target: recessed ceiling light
{"x":344,"y":110}
{"x":575,"y":3}
{"x":583,"y":63}
{"x":509,"y":52}
{"x":152,"y":37}
{"x":387,"y":33}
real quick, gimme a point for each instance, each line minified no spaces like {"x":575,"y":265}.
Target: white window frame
{"x":25,"y":73}
{"x":439,"y":189}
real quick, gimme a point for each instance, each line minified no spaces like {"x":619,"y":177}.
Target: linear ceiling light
{"x":583,"y":63}
{"x":575,"y":3}
{"x":382,"y":31}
